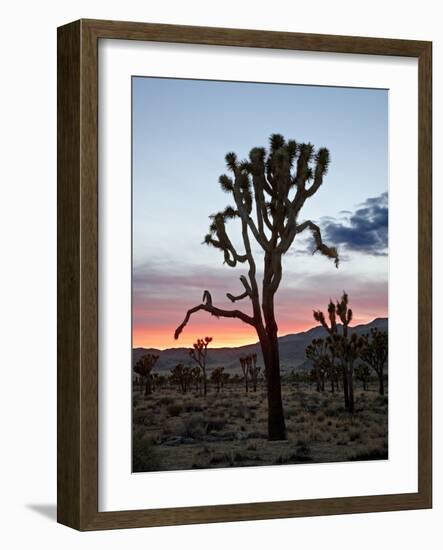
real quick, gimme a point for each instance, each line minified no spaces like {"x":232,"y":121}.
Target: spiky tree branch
{"x":216,"y":311}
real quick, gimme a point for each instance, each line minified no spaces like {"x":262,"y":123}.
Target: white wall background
{"x":28,"y":270}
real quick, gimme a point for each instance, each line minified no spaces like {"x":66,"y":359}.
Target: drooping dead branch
{"x":329,"y":251}
{"x":215,"y":311}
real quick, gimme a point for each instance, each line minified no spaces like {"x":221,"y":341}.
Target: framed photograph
{"x":244,"y":275}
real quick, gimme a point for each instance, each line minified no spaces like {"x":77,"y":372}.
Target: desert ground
{"x":176,"y":431}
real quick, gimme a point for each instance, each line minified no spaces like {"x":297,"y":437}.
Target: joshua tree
{"x":254,"y":371}
{"x":316,"y":352}
{"x":177,"y":377}
{"x":143,"y":367}
{"x":341,"y":310}
{"x":196,"y":378}
{"x":225,"y":379}
{"x":199,"y":353}
{"x":269,"y":191}
{"x":245,"y":364}
{"x":349,"y":350}
{"x":363,"y":374}
{"x":250,"y":370}
{"x":375,"y":353}
{"x":217,"y":377}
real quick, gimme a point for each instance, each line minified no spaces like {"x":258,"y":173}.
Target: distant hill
{"x":292,"y":350}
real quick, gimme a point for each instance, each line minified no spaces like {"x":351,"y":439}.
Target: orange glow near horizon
{"x":231,"y":334}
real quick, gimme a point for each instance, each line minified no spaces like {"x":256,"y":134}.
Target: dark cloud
{"x":365,"y":231}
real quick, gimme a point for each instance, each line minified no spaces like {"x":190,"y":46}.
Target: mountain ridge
{"x":292,"y":349}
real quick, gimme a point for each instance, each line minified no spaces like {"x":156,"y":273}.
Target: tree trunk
{"x":205,"y":389}
{"x":276,"y":420}
{"x":345,"y":388}
{"x":148,"y":388}
{"x":350,"y":390}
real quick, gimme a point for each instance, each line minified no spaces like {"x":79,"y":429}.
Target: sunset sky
{"x":182,"y":130}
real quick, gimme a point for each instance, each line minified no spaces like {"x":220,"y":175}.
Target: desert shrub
{"x":217,"y":459}
{"x":193,"y":426}
{"x":291,"y":412}
{"x":303,"y":447}
{"x":332,"y":410}
{"x":144,"y":417}
{"x":193,"y":406}
{"x":198,"y":466}
{"x":354,"y":435}
{"x":239,"y":411}
{"x":215,"y":425}
{"x":165,"y":400}
{"x":239,"y":457}
{"x":258,"y":435}
{"x":381,"y":400}
{"x":145,"y":457}
{"x":175,"y":409}
{"x":371,"y":454}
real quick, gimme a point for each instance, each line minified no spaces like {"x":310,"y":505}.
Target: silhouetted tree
{"x":269,"y":191}
{"x":225,"y":379}
{"x":341,"y":310}
{"x":254,"y":371}
{"x":375,"y":354}
{"x":197,"y":379}
{"x":178,"y":377}
{"x":217,"y":377}
{"x":143,"y":367}
{"x":199,"y":353}
{"x":348,"y":350}
{"x":363,"y":374}
{"x":244,"y":364}
{"x":316,"y":352}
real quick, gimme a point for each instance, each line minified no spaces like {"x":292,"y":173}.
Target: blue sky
{"x":182,"y":130}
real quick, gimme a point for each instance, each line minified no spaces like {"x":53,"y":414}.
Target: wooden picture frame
{"x":78,"y":274}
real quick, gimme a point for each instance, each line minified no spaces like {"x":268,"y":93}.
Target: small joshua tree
{"x":225,"y":379}
{"x":268,"y":191}
{"x":348,"y":350}
{"x":177,"y":377}
{"x":375,"y":354}
{"x":363,"y":374}
{"x":197,"y":379}
{"x":254,"y":371}
{"x":217,"y":377}
{"x":316,"y":352}
{"x":245,"y":365}
{"x":199,"y":353}
{"x":143,"y":368}
{"x":250,"y":370}
{"x":340,"y":309}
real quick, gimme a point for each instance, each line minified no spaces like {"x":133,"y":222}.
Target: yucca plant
{"x":375,"y":354}
{"x":217,"y":377}
{"x":269,"y":190}
{"x":342,"y":348}
{"x":317,"y":353}
{"x":143,"y":368}
{"x":199,"y":353}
